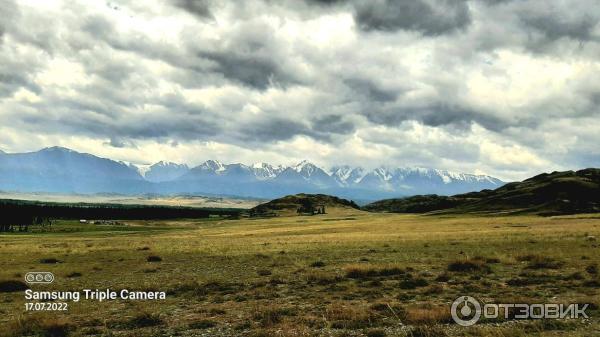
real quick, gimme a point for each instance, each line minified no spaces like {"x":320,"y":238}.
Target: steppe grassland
{"x":347,"y":272}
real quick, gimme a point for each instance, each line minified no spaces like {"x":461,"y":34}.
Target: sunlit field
{"x":347,"y":273}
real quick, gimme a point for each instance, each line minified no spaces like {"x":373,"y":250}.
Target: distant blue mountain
{"x":57,"y":169}
{"x":62,"y":170}
{"x":163,"y":171}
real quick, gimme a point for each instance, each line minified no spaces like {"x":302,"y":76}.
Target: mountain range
{"x":62,"y":170}
{"x":567,"y":192}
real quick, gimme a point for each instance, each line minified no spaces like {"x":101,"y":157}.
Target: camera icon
{"x":40,"y":277}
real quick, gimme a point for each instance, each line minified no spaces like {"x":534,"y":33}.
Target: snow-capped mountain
{"x":346,"y":176}
{"x":264,"y":171}
{"x":265,"y":180}
{"x":63,"y":170}
{"x":163,"y":171}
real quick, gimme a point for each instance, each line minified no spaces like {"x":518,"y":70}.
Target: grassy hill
{"x":566,"y":192}
{"x":305,"y":203}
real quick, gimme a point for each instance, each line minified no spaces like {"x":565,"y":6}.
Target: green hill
{"x":547,"y":194}
{"x":302,"y":204}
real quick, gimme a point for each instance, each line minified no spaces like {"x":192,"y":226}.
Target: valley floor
{"x":348,"y":273}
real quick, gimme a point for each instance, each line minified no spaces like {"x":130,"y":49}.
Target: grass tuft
{"x":367,"y":271}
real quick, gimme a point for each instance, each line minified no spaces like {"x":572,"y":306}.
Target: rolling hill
{"x":565,"y":192}
{"x":302,"y":204}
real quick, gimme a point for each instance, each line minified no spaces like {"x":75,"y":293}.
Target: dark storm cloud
{"x":326,"y":2}
{"x":124,"y":126}
{"x":555,"y":26}
{"x":436,"y":18}
{"x":437,"y":114}
{"x":497,"y":2}
{"x":332,"y":124}
{"x":251,"y":69}
{"x":371,"y":90}
{"x":274,"y":128}
{"x":200,"y":8}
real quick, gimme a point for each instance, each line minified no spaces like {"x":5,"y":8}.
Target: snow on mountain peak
{"x":213,"y":165}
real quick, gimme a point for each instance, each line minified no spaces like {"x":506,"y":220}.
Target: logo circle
{"x":469,"y":313}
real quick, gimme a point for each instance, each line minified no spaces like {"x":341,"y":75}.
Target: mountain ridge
{"x":559,"y":192}
{"x":29,"y":172}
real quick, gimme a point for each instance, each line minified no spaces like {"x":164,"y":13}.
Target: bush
{"x":445,"y":277}
{"x":412,"y":283}
{"x":153,"y":258}
{"x":543,"y":262}
{"x":74,"y":274}
{"x":11,"y":286}
{"x":263,"y":272}
{"x":202,"y":324}
{"x":318,"y":264}
{"x":469,"y":265}
{"x":144,"y":320}
{"x":592,"y":269}
{"x":50,"y":260}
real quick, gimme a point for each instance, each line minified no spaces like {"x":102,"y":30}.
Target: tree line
{"x":18,"y":215}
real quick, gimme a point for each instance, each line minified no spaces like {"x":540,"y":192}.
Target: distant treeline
{"x":15,"y":211}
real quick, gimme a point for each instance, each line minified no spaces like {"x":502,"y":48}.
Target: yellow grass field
{"x":347,"y":273}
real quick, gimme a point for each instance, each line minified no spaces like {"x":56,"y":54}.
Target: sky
{"x":509,"y":88}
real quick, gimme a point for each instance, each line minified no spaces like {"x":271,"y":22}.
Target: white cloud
{"x":506,"y":89}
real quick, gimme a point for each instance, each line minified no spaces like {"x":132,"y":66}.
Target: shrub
{"x":144,"y":320}
{"x":11,"y":286}
{"x":445,"y":277}
{"x":318,"y":264}
{"x":592,"y":269}
{"x":153,"y":258}
{"x":469,"y":265}
{"x":263,"y":272}
{"x":50,"y":260}
{"x":74,"y":274}
{"x":412,"y":283}
{"x":202,"y":324}
{"x":543,"y":262}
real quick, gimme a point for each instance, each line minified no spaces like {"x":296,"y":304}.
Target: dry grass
{"x":211,"y":268}
{"x":359,"y":271}
{"x":427,"y":314}
{"x":39,"y":324}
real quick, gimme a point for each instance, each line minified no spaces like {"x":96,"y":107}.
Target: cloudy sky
{"x":503,"y":87}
